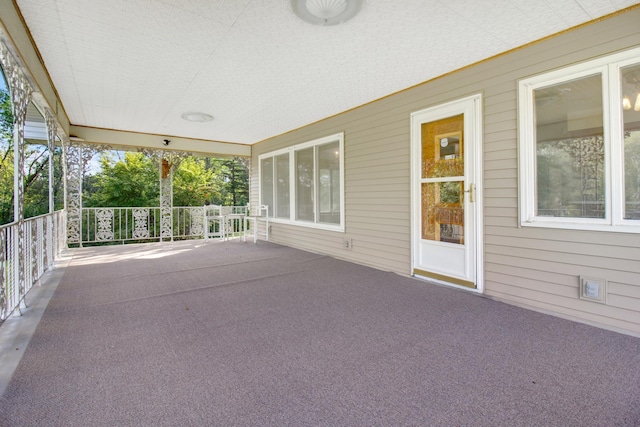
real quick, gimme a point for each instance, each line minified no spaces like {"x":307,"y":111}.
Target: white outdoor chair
{"x":257,"y":223}
{"x":234,"y":222}
{"x":214,"y":222}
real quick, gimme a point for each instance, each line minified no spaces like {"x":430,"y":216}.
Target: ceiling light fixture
{"x":326,"y":12}
{"x":197,"y":117}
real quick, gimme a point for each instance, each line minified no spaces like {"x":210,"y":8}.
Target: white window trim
{"x":609,"y":68}
{"x":338,"y":137}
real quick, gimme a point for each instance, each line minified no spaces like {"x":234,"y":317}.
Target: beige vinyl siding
{"x":538,"y":268}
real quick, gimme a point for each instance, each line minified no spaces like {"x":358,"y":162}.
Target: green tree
{"x":36,"y":180}
{"x":201,"y":180}
{"x":36,"y":171}
{"x":193,"y":183}
{"x":238,"y":180}
{"x":134,"y":181}
{"x":129,"y":182}
{"x":6,"y":158}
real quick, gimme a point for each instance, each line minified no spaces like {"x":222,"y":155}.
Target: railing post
{"x":4,"y":302}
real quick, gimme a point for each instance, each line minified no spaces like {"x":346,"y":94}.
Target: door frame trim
{"x":476,"y":132}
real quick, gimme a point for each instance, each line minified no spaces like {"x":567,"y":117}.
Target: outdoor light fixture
{"x":326,"y":12}
{"x":197,"y":117}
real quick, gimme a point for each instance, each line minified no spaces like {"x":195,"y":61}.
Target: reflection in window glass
{"x":282,"y":186}
{"x":630,"y":83}
{"x":443,"y":212}
{"x":570,"y":149}
{"x":304,"y":184}
{"x":329,"y":183}
{"x":266,"y":181}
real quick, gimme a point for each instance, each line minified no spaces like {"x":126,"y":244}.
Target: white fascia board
{"x":145,"y":140}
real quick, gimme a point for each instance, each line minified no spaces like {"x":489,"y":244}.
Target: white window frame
{"x":338,"y":137}
{"x":609,"y":68}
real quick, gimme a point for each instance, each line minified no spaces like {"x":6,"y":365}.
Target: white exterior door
{"x":446,"y":172}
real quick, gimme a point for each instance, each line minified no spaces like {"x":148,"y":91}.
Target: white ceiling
{"x":138,"y":65}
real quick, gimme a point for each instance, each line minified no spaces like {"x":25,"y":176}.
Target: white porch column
{"x":77,"y":156}
{"x":20,"y":96}
{"x":166,"y":200}
{"x":73,"y":156}
{"x":169,"y":161}
{"x":51,"y":140}
{"x":49,"y":224}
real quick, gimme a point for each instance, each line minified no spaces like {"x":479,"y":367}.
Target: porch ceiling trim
{"x":146,"y":140}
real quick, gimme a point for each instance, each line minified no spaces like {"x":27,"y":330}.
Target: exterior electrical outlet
{"x":347,"y":244}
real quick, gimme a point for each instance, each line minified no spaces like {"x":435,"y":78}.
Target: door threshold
{"x":446,"y":279}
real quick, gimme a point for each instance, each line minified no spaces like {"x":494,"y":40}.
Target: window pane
{"x":329,"y":183}
{"x":304,"y":184}
{"x":570,"y":149}
{"x":282,"y":186}
{"x":266,"y":179}
{"x":631,"y":114}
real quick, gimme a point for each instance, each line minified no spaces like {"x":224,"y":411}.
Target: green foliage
{"x":6,"y":117}
{"x":6,"y":158}
{"x":202,"y":180}
{"x":194,"y":183}
{"x":134,"y":181}
{"x":36,"y":179}
{"x":36,"y":170}
{"x":129,"y":182}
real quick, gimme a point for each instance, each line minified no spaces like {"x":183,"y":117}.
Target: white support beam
{"x":156,"y":142}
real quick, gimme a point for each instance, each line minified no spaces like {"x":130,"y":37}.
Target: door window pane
{"x":304,"y":184}
{"x":282,"y":186}
{"x":443,"y":212}
{"x":329,"y":183}
{"x":570,"y":178}
{"x":442,"y":148}
{"x":630,"y":79}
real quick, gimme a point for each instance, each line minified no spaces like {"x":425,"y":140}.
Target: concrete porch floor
{"x":231,"y":333}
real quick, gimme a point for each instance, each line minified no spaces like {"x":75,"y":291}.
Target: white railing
{"x":142,"y":224}
{"x":22,"y":265}
{"x":120,"y":224}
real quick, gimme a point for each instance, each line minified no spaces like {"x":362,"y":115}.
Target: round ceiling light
{"x":326,"y":12}
{"x":197,"y":117}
